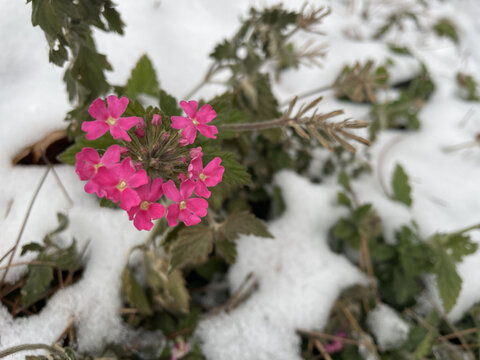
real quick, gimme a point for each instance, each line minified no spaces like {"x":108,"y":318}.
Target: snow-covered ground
{"x":299,"y":277}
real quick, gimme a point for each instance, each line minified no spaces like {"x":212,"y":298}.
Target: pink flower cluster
{"x":117,"y":177}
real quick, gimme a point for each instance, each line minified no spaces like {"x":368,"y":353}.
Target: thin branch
{"x":322,"y":350}
{"x":57,"y":178}
{"x":27,"y":347}
{"x":360,"y":332}
{"x":328,"y":336}
{"x":30,"y":206}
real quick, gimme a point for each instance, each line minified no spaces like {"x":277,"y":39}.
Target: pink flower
{"x":148,"y":209}
{"x":156,"y":120}
{"x":119,"y":181}
{"x":209,"y":176}
{"x":88,"y":163}
{"x":185,"y":209}
{"x":196,"y":120}
{"x":109,"y":119}
{"x":140,"y":127}
{"x":180,"y":349}
{"x":336,"y":345}
{"x":196,"y":152}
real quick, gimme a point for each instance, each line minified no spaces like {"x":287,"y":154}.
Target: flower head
{"x":186,"y":209}
{"x":119,"y":181}
{"x":148,"y":209}
{"x":195,"y":120}
{"x":207,"y":176}
{"x":109,"y":119}
{"x":88,"y":163}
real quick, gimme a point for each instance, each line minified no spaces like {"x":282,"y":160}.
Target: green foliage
{"x":402,"y":113}
{"x":401,"y":187}
{"x":50,"y":257}
{"x":193,"y":245}
{"x":446,"y":28}
{"x":134,"y":293}
{"x":359,"y":83}
{"x":396,"y":20}
{"x":143,"y":79}
{"x":468,"y":87}
{"x":244,"y":223}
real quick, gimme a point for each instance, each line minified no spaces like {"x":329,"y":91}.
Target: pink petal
{"x":208,"y":131}
{"x":129,"y":198}
{"x":190,"y":108}
{"x":133,"y":210}
{"x":156,"y":190}
{"x":206,"y":114}
{"x":113,"y":194}
{"x":125,"y":169}
{"x":170,"y":191}
{"x":116,"y":107}
{"x":156,"y":120}
{"x":112,"y":155}
{"x":188,"y":219}
{"x":143,"y":191}
{"x":196,"y":152}
{"x":189,"y":133}
{"x":186,"y":189}
{"x":126,"y":123}
{"x":201,"y":189}
{"x":138,"y":179}
{"x":105,"y":177}
{"x":195,"y":168}
{"x":94,"y":129}
{"x":156,"y":210}
{"x":88,"y":154}
{"x":92,"y":187}
{"x":143,"y":221}
{"x":198,"y":206}
{"x":172,"y":214}
{"x":118,"y":133}
{"x":179,"y":122}
{"x":98,"y":110}
{"x":84,"y":170}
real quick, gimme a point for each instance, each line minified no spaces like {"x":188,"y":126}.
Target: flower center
{"x":195,"y":122}
{"x":122,"y":185}
{"x":144,"y":205}
{"x":96,"y":166}
{"x":111,"y":121}
{"x":183,"y":205}
{"x":202,"y":176}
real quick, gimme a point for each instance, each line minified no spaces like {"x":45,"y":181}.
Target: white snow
{"x":389,"y":329}
{"x":299,"y":277}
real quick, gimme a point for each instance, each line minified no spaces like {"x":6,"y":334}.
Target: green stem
{"x":261,"y":125}
{"x":27,"y":347}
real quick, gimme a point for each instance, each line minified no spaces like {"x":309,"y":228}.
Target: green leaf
{"x":134,"y":293}
{"x":401,"y":187}
{"x":459,"y":245}
{"x":169,"y":104}
{"x":62,"y":224}
{"x":68,"y":156}
{"x":347,"y":231}
{"x":227,"y":249}
{"x":38,"y":281}
{"x":143,"y":79}
{"x":448,"y":281}
{"x":112,"y":16}
{"x":245,"y":223}
{"x":344,"y":180}
{"x":193,"y":244}
{"x":343,"y":199}
{"x":33,"y":246}
{"x":69,"y":258}
{"x":104,"y":202}
{"x":445,"y":28}
{"x":235,"y":173}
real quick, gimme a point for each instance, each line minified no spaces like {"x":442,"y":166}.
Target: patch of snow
{"x":389,"y":329}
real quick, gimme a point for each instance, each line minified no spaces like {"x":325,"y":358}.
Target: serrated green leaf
{"x":112,"y":16}
{"x":134,"y":293}
{"x":143,"y":79}
{"x":401,"y":187}
{"x":344,"y":180}
{"x":347,"y":231}
{"x":245,"y":223}
{"x":227,"y":249}
{"x":101,"y":144}
{"x":169,"y":104}
{"x":459,"y":245}
{"x":38,"y":281}
{"x":193,"y":244}
{"x":445,"y":28}
{"x":448,"y":281}
{"x":104,"y":202}
{"x":235,"y":173}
